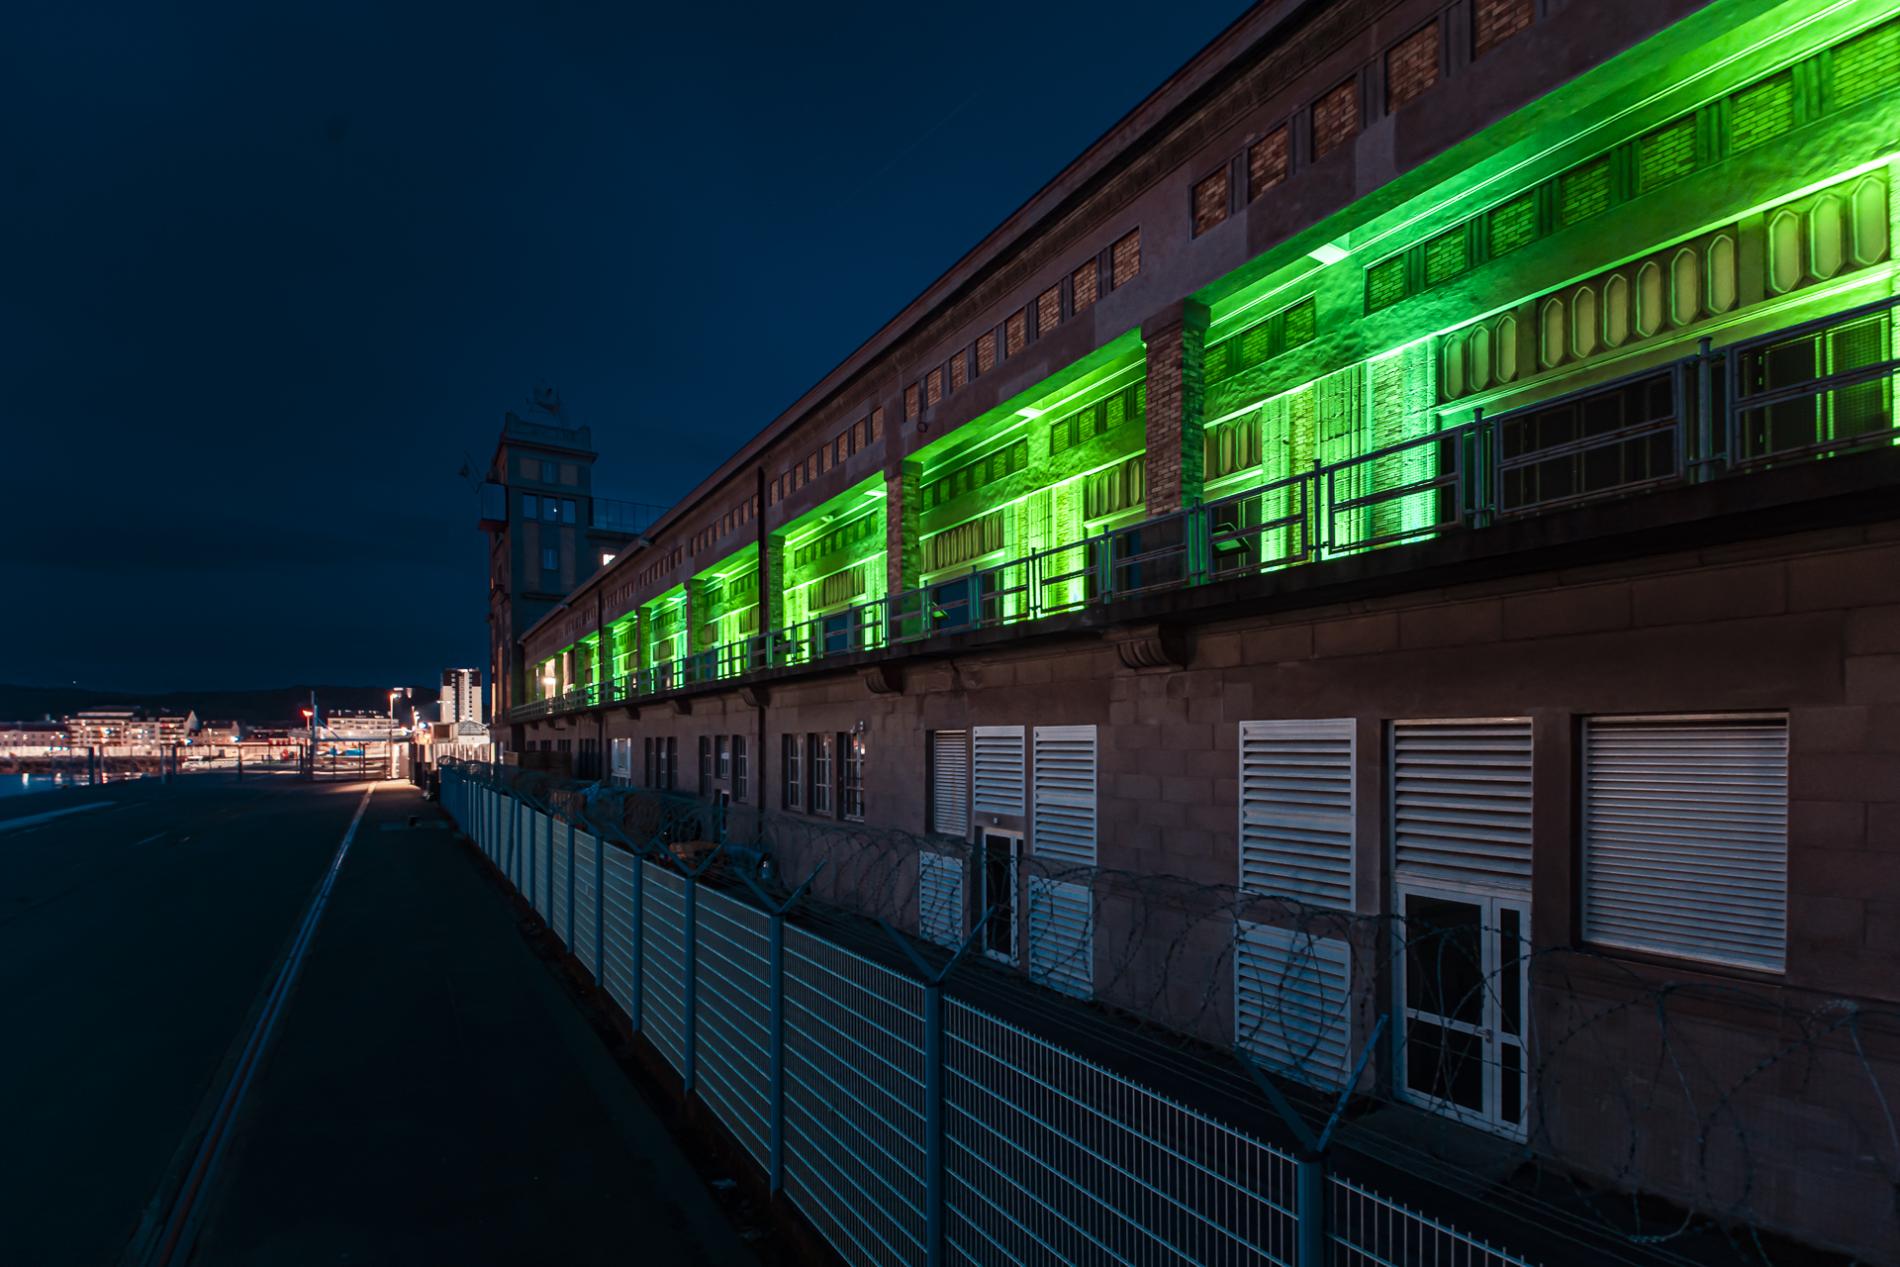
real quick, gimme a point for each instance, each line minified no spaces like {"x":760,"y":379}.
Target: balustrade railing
{"x":1814,"y":390}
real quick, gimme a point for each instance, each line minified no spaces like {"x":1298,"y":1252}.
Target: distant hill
{"x":278,"y":705}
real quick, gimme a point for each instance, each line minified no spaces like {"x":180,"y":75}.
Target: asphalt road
{"x":134,"y":941}
{"x":431,"y":1096}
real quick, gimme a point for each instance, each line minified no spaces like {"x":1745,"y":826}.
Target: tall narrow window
{"x":793,"y":781}
{"x":705,"y":765}
{"x":821,"y":773}
{"x":1297,"y":799}
{"x":949,"y":794}
{"x":851,"y":750}
{"x":739,"y":770}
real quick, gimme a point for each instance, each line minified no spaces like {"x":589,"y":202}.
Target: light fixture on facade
{"x":1328,"y":253}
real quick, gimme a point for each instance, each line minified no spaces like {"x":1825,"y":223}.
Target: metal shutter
{"x":1461,"y":803}
{"x":940,"y":898}
{"x":1685,"y":836}
{"x":950,"y":782}
{"x":1296,"y":809}
{"x":1291,"y":996}
{"x":997,"y":758}
{"x":1062,"y":799}
{"x":1062,"y":936}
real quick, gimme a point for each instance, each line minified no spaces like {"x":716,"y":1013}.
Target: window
{"x":1685,"y":837}
{"x":671,"y":752}
{"x":1296,"y":810}
{"x":998,"y":770}
{"x":550,"y":474}
{"x":739,"y":771}
{"x":649,"y":770}
{"x":794,"y":776}
{"x":550,"y":558}
{"x":851,"y":747}
{"x":1210,"y":202}
{"x":567,"y":509}
{"x":530,"y":506}
{"x":821,"y":773}
{"x":948,"y":801}
{"x":705,"y":765}
{"x":551,"y":509}
{"x":722,"y":752}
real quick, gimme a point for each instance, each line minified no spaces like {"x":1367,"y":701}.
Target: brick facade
{"x":1177,"y":449}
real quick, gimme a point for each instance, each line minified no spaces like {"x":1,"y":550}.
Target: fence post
{"x":600,"y":909}
{"x":775,"y":1167}
{"x":514,"y":814}
{"x":570,"y":884}
{"x":689,"y":974}
{"x":639,"y":936}
{"x":1310,"y":1203}
{"x":933,"y":1123}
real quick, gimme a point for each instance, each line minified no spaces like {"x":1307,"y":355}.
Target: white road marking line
{"x":32,"y":820}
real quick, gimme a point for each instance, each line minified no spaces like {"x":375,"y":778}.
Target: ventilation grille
{"x":1062,"y":936}
{"x":1686,"y":837}
{"x":1461,"y":803}
{"x":940,"y":898}
{"x":1296,"y":809}
{"x":998,"y":762}
{"x":1290,"y":1003}
{"x":1063,"y":821}
{"x":950,"y":782}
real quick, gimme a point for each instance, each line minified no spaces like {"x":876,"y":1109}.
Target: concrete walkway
{"x":434,"y":1096}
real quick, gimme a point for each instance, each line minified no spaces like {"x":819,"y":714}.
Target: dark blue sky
{"x":272,"y":271}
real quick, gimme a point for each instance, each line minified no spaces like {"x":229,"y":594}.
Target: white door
{"x":1463,"y":966}
{"x":997,"y":856}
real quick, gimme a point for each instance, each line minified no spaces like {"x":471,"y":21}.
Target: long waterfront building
{"x":1430,"y":462}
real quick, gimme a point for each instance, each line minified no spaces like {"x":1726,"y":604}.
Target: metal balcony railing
{"x":1815,"y":390}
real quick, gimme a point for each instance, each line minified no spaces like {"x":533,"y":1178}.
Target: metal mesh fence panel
{"x":735,"y":1017}
{"x":618,"y":925}
{"x":1052,"y":1159}
{"x":854,"y":1110}
{"x":663,"y":963}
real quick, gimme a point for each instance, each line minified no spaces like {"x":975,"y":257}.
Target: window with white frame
{"x":821,"y":773}
{"x":1685,"y":837}
{"x":851,"y":786}
{"x":793,"y":771}
{"x":739,"y":771}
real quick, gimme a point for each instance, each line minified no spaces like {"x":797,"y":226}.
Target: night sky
{"x":272,"y":273}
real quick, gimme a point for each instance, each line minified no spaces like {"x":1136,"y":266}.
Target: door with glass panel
{"x":1463,"y":969}
{"x":997,"y":856}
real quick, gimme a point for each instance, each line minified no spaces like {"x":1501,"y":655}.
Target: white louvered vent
{"x":1062,"y":936}
{"x":997,"y":754}
{"x":1685,"y":837}
{"x":950,"y":782}
{"x":1062,"y":801}
{"x":1291,"y":995}
{"x":1461,"y":803}
{"x":1296,"y":809}
{"x":940,"y":898}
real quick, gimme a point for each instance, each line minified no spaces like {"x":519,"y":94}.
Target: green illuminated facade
{"x":1698,"y":187}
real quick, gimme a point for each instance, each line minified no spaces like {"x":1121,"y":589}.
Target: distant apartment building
{"x":129,"y":731}
{"x":461,"y":696}
{"x":1430,"y":466}
{"x":19,"y":739}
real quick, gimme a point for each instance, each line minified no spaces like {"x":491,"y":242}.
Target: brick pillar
{"x":772,"y":582}
{"x":1175,"y":338}
{"x":900,"y":528}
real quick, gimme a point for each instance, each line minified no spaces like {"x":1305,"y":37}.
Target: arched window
{"x":1826,"y":249}
{"x":1480,"y":358}
{"x":1583,"y":321}
{"x":1870,"y":221}
{"x":1685,"y":287}
{"x":1784,"y":252}
{"x":1551,"y":333}
{"x":1454,"y":367}
{"x":1649,"y":299}
{"x":1507,"y":348}
{"x":1722,"y":282}
{"x":1616,"y":310}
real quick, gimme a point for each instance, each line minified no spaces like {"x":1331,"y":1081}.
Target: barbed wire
{"x":1660,"y":1110}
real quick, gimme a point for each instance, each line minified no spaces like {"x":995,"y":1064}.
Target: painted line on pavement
{"x":181,"y":1224}
{"x":34,"y":820}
